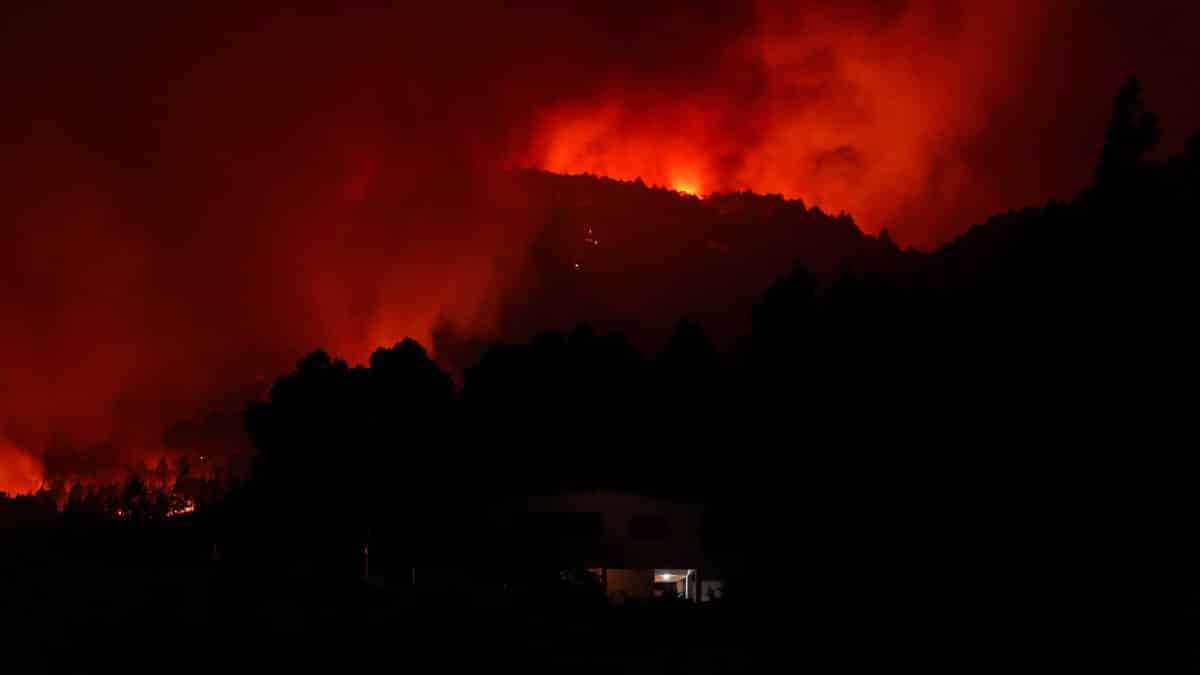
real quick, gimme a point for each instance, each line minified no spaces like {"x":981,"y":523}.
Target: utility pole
{"x":367,"y":557}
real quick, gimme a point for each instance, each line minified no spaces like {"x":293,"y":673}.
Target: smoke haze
{"x":192,"y":197}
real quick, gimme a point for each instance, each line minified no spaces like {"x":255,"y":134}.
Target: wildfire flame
{"x":687,"y":189}
{"x":20,"y":473}
{"x":185,"y":506}
{"x":167,"y":490}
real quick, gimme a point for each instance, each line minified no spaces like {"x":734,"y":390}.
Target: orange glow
{"x":182,"y":507}
{"x":581,"y":139}
{"x":687,"y":188}
{"x":844,"y":118}
{"x":19,"y":473}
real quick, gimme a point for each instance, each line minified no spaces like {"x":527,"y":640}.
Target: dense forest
{"x":975,"y":345}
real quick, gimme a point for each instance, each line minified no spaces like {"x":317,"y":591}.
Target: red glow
{"x":194,"y":198}
{"x":908,"y":117}
{"x":845,"y":117}
{"x":20,"y":473}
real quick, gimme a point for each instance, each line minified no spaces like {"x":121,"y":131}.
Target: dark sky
{"x":193,"y":195}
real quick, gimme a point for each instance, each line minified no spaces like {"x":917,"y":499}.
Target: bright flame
{"x":181,"y":507}
{"x":685,"y":180}
{"x":686,"y":188}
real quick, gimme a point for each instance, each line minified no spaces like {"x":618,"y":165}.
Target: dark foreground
{"x":161,"y":603}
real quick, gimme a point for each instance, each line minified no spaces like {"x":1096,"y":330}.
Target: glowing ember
{"x":184,"y":506}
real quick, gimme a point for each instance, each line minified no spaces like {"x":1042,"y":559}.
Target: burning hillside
{"x":195,"y":195}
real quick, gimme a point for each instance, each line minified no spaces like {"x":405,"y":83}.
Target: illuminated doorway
{"x":676,"y":583}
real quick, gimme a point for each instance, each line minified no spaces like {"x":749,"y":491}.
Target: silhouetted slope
{"x":624,"y":256}
{"x":635,"y":259}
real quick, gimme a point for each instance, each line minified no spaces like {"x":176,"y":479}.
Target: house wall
{"x":680,"y":548}
{"x":629,"y":554}
{"x":630,"y":583}
{"x":711,"y":590}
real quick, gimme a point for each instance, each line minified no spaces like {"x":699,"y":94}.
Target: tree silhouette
{"x":856,"y":394}
{"x":1132,"y":131}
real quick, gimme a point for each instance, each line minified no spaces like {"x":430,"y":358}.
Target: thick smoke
{"x":191,"y":197}
{"x":921,"y":117}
